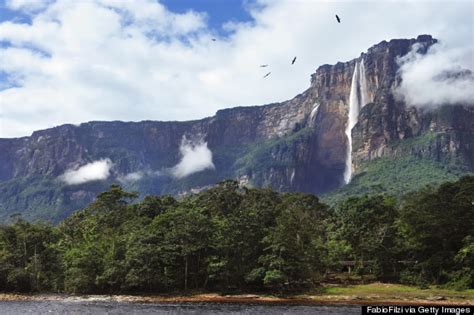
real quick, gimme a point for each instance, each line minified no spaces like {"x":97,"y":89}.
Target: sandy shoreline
{"x":241,"y":299}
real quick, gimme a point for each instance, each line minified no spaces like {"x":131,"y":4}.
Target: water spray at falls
{"x":357,"y":99}
{"x":314,"y":112}
{"x":364,"y":97}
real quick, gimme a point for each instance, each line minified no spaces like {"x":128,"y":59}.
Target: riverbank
{"x":375,"y":293}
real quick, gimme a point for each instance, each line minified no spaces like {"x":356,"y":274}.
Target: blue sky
{"x":7,"y":14}
{"x":219,"y":12}
{"x":149,"y":60}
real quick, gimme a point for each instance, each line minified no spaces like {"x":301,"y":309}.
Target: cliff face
{"x":444,"y":135}
{"x":297,"y":145}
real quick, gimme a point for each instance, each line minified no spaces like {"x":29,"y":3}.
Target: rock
{"x":287,"y":145}
{"x":436,"y":298}
{"x":356,"y":297}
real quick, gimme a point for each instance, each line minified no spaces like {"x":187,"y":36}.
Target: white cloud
{"x":131,"y":177}
{"x":196,"y":157}
{"x":442,"y":76}
{"x":97,"y":170}
{"x":133,"y":60}
{"x":136,"y":176}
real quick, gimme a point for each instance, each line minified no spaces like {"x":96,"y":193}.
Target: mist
{"x":97,"y":170}
{"x":442,"y":76}
{"x":195,"y":157}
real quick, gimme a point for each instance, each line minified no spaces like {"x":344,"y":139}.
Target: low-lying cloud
{"x":131,"y":177}
{"x":442,"y":76}
{"x":196,"y":157}
{"x":138,"y":175}
{"x":97,"y":170}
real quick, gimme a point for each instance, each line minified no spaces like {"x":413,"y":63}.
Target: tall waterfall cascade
{"x":358,"y":98}
{"x":314,"y":112}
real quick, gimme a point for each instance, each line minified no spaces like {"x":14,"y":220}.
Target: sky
{"x":72,"y":61}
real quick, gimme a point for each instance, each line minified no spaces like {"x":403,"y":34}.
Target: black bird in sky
{"x":338,"y":19}
{"x":293,"y":61}
{"x":263,"y":66}
{"x":213,"y":39}
{"x":266,"y":75}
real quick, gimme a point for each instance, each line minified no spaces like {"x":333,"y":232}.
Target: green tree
{"x":182,"y":235}
{"x":28,"y":260}
{"x":237,"y":238}
{"x":94,"y":241}
{"x":295,"y":245}
{"x":367,"y":224}
{"x":434,"y":223}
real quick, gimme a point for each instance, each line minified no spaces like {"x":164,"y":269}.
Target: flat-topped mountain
{"x":298,"y":145}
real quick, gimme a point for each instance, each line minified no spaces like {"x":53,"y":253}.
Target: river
{"x":84,"y":307}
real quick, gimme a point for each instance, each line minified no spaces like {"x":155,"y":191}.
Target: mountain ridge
{"x":295,"y":145}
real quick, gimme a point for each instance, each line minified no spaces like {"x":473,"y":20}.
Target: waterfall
{"x":357,"y":99}
{"x":364,"y":97}
{"x":314,"y":112}
{"x":351,"y":121}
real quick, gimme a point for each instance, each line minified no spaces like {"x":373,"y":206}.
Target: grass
{"x":42,"y":198}
{"x":396,"y":176}
{"x":423,"y":140}
{"x":410,"y":167}
{"x":327,"y":295}
{"x":260,"y":156}
{"x":396,"y":290}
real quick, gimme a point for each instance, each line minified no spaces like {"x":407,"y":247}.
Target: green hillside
{"x":396,"y":176}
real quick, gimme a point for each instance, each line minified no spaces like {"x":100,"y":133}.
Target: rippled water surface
{"x":67,"y":307}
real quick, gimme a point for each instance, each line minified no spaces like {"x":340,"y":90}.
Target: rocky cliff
{"x":297,"y":145}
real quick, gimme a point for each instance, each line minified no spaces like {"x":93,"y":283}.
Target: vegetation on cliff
{"x":396,"y":176}
{"x":234,"y":238}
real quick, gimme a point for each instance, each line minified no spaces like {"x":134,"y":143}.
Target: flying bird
{"x":266,"y":75}
{"x":293,"y":61}
{"x":213,"y":39}
{"x":338,"y":19}
{"x":263,"y":66}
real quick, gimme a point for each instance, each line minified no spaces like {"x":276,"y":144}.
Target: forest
{"x":232,"y":238}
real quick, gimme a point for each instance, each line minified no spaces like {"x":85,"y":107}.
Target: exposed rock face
{"x":297,"y":145}
{"x":387,"y":120}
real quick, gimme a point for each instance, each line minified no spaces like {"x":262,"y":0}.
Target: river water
{"x":82,"y":307}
